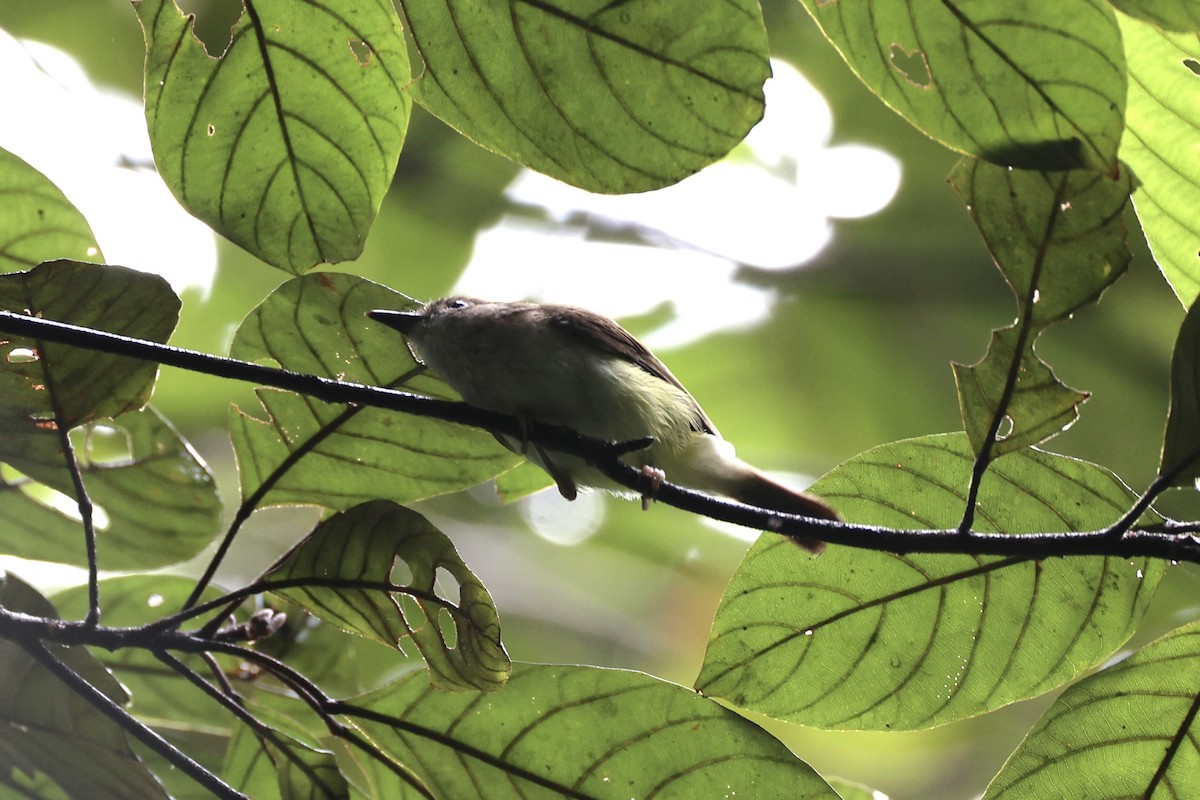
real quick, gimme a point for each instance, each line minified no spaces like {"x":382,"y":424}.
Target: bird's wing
{"x":607,"y":336}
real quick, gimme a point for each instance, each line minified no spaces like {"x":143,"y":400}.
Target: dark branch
{"x":121,"y":717}
{"x":1120,"y":540}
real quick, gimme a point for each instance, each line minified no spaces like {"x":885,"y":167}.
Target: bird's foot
{"x":654,"y":480}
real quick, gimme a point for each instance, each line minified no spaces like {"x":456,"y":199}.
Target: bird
{"x":568,"y":366}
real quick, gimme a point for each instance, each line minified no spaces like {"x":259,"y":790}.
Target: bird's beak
{"x":403,"y":321}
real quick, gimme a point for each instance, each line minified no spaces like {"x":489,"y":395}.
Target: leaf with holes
{"x":307,"y":451}
{"x":1181,"y":441}
{"x":1059,"y":240}
{"x":612,"y":97}
{"x":1131,"y":729}
{"x":1037,"y":405}
{"x":287,"y":142}
{"x":866,"y":640}
{"x":156,"y":500}
{"x":571,"y":732}
{"x":1034,"y":85}
{"x":1164,"y":73}
{"x":45,"y":387}
{"x":350,"y":571}
{"x":37,"y":222}
{"x":52,"y":730}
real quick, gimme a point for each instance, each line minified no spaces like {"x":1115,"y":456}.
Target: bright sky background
{"x":92,"y":143}
{"x":769,"y":204}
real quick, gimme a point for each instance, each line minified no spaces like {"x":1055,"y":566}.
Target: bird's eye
{"x":459,"y":303}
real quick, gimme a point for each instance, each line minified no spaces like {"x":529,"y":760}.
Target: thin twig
{"x":1025,"y":332}
{"x":232,"y":703}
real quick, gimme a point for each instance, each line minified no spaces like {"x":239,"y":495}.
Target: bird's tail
{"x":756,"y":489}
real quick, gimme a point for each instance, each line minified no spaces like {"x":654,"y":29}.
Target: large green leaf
{"x":341,"y":457}
{"x":612,"y":97}
{"x":1163,"y":122}
{"x":46,"y":727}
{"x":158,"y":500}
{"x":48,"y":387}
{"x":37,"y":222}
{"x":1059,"y":240}
{"x":442,"y":607}
{"x":859,"y":639}
{"x":1131,"y":729}
{"x":1029,"y":84}
{"x":287,"y":142}
{"x":558,"y":731}
{"x":1181,"y":441}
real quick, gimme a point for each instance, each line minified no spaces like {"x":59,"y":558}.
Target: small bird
{"x":567,"y":366}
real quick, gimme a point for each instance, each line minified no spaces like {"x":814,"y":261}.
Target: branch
{"x":1176,"y":544}
{"x":132,"y":726}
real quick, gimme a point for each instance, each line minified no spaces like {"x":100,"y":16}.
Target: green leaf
{"x":287,"y":142}
{"x":1170,"y":15}
{"x":455,"y":626}
{"x":560,"y":731}
{"x":1131,"y":729}
{"x":612,"y":97}
{"x":1059,"y":240}
{"x":859,"y":639}
{"x":46,"y":727}
{"x":37,"y":222}
{"x":521,"y":481}
{"x":45,"y":387}
{"x":1037,"y":405}
{"x":1161,"y":128}
{"x":1028,"y":85}
{"x":1181,"y":441}
{"x":305,"y":642}
{"x":285,"y":768}
{"x":158,"y":501}
{"x":158,"y":696}
{"x":317,"y":324}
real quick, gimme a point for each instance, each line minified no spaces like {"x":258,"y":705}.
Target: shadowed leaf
{"x":45,"y":727}
{"x":284,"y":769}
{"x":1059,"y":240}
{"x":859,"y":639}
{"x":1034,"y":85}
{"x":355,"y":563}
{"x":287,"y":142}
{"x":45,"y":387}
{"x":612,"y":97}
{"x":1131,"y":729}
{"x":1162,"y":125}
{"x":317,"y":324}
{"x":1181,"y":442}
{"x":37,"y":222}
{"x":573,"y":732}
{"x":158,"y":500}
